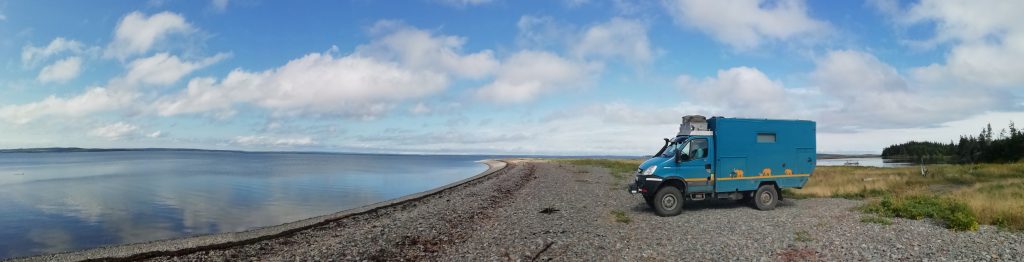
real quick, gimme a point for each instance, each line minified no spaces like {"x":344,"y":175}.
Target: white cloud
{"x":420,"y":109}
{"x":743,"y":92}
{"x":542,"y":32}
{"x":137,"y":33}
{"x":850,"y":91}
{"x":263,"y":141}
{"x":967,"y":20}
{"x":61,"y":71}
{"x":622,"y":38}
{"x":528,"y":74}
{"x":32,"y":55}
{"x":873,"y":140}
{"x":605,"y":128}
{"x":94,"y":100}
{"x":155,"y":134}
{"x":314,"y":84}
{"x":621,"y":113}
{"x":219,"y":5}
{"x":987,"y":39}
{"x":402,"y":63}
{"x":115,"y":131}
{"x":165,"y":69}
{"x":618,"y":38}
{"x":871,"y":94}
{"x":120,"y":93}
{"x":422,"y":50}
{"x":745,"y":24}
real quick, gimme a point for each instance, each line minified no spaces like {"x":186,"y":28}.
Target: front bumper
{"x":643,"y":184}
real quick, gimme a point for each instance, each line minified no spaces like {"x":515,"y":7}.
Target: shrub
{"x":875,"y":219}
{"x":956,"y":215}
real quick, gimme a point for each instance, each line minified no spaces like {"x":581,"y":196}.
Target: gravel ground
{"x":500,"y":218}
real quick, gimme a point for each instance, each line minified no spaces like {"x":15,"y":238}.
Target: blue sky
{"x":499,"y":76}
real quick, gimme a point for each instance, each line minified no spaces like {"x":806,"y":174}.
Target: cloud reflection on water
{"x":130,"y":197}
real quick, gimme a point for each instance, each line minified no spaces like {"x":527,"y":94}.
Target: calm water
{"x":869,"y":161}
{"x":53,"y":202}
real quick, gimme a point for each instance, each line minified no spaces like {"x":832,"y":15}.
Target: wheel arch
{"x":675,"y":182}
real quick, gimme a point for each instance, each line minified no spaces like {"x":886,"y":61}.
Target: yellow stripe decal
{"x":764,"y":177}
{"x":696,"y":180}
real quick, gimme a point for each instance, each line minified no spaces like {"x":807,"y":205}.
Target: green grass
{"x":621,"y":217}
{"x":876,"y":219}
{"x":866,"y":193}
{"x":955,"y":214}
{"x":803,"y":236}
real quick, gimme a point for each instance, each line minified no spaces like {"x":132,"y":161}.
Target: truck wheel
{"x":766,"y":197}
{"x":668,"y":201}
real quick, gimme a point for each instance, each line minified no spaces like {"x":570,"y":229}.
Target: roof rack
{"x":692,"y":123}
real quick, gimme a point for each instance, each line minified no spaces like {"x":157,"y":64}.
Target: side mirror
{"x":680,"y":157}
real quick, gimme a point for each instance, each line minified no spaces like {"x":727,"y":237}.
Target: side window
{"x":684,"y":148}
{"x":698,"y":149}
{"x":766,"y":137}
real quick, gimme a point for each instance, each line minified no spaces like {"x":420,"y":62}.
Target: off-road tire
{"x":668,"y":201}
{"x":766,"y":197}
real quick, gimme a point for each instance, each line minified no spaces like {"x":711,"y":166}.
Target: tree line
{"x":986,"y":147}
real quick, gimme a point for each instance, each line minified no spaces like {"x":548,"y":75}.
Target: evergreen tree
{"x":983,"y":148}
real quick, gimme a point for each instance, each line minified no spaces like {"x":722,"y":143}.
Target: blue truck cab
{"x":728,"y":158}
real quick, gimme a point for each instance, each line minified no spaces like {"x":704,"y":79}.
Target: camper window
{"x":766,"y":137}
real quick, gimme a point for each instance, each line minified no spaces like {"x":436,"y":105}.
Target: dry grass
{"x":620,"y":169}
{"x":993,"y":192}
{"x":829,"y":181}
{"x":998,"y":203}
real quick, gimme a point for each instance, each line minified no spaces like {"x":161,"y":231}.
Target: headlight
{"x":650,"y":170}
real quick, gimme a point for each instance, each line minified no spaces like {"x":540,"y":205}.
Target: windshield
{"x":670,"y":151}
{"x":694,"y":148}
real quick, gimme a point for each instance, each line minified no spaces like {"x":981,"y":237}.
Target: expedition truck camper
{"x":728,"y":158}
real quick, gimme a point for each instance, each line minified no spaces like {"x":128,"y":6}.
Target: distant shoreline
{"x":159,"y":149}
{"x":839,"y":156}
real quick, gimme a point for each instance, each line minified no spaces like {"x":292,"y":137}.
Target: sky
{"x":558,"y":77}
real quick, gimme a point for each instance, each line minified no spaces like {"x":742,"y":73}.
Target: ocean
{"x":57,"y":202}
